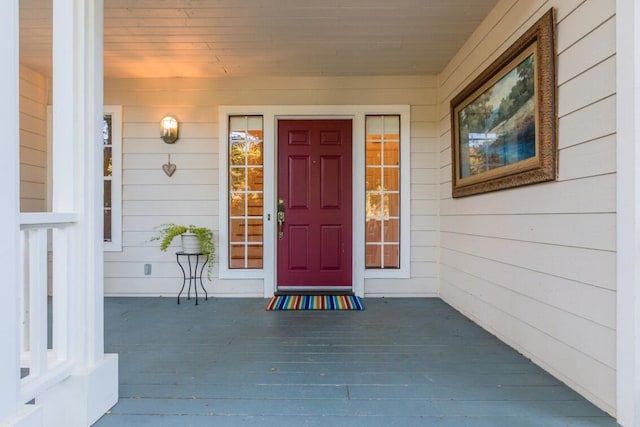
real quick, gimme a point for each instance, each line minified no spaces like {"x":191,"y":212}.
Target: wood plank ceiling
{"x":212,"y":38}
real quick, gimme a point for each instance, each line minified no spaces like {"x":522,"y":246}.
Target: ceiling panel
{"x":210,"y":38}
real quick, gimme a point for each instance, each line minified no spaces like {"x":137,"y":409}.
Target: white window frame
{"x":271,"y":115}
{"x":115,"y":111}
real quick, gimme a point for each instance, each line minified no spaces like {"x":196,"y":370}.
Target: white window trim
{"x":115,"y":111}
{"x":116,"y":179}
{"x":357,"y":113}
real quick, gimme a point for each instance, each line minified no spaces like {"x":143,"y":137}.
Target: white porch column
{"x":628,"y":207}
{"x":77,"y":187}
{"x":12,"y":411}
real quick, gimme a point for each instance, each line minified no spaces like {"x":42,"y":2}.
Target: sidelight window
{"x":246,"y":192}
{"x":382,"y":192}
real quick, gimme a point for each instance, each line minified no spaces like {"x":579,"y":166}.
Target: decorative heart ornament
{"x":169,"y":168}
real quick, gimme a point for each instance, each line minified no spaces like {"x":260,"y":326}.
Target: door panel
{"x":330,"y":182}
{"x":330,"y":247}
{"x":298,"y":253}
{"x":299,"y":185}
{"x":315,"y":181}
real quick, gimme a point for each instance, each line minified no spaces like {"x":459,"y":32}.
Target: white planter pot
{"x":190,"y":244}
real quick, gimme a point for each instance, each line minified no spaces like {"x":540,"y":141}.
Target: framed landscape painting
{"x":504,"y":123}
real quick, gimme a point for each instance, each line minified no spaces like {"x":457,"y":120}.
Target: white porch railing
{"x":45,"y":358}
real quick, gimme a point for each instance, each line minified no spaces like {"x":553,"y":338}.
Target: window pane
{"x":374,"y":153}
{"x":391,"y":179}
{"x":392,"y":205}
{"x":237,"y":124}
{"x":237,"y":228}
{"x":373,"y":256}
{"x":107,"y":194}
{"x":374,"y":128}
{"x":392,"y":126}
{"x":236,"y":256}
{"x":237,"y":204}
{"x":254,"y":148}
{"x":255,"y":204}
{"x":373,"y":231}
{"x":391,"y":153}
{"x":255,"y":179}
{"x":107,"y":163}
{"x":254,"y":125}
{"x":237,"y":179}
{"x":392,"y":230}
{"x":374,"y":179}
{"x":107,"y":225}
{"x":106,"y":130}
{"x":373,"y":205}
{"x":246,"y":187}
{"x":254,"y":258}
{"x":391,"y":256}
{"x":237,"y":152}
{"x":382,"y":189}
{"x":254,"y":230}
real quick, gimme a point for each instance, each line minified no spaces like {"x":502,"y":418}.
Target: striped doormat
{"x":315,"y":302}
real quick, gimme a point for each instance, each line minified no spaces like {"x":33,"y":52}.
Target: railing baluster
{"x":38,"y":300}
{"x":47,"y":367}
{"x":60,"y":280}
{"x":23,"y":293}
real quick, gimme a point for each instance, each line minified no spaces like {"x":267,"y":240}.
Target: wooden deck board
{"x":404,"y":362}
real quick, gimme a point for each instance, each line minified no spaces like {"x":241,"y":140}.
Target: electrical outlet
{"x":147,"y":269}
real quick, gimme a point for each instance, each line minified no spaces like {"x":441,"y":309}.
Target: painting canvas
{"x":498,"y":127}
{"x":504,"y":123}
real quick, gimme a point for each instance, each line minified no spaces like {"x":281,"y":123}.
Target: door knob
{"x":280,"y":219}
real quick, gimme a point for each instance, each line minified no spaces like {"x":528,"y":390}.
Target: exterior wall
{"x":537,"y":265}
{"x":190,"y":196}
{"x":34,"y":91}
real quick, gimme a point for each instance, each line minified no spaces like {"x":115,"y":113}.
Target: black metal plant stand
{"x":193,"y":260}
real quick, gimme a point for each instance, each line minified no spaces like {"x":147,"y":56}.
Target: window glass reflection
{"x":246,"y":188}
{"x":382,"y":192}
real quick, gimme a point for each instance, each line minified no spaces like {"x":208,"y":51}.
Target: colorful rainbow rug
{"x":315,"y":302}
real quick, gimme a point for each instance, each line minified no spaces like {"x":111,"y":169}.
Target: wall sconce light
{"x":169,"y":129}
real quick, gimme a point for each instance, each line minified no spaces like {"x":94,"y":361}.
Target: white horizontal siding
{"x":428,"y":287}
{"x":141,"y":223}
{"x":578,"y":370}
{"x":190,"y":196}
{"x":169,"y":287}
{"x":536,"y":265}
{"x":542,"y":229}
{"x":33,"y":141}
{"x":591,"y":122}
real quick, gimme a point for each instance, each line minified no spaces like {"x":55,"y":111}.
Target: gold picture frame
{"x":504,"y":123}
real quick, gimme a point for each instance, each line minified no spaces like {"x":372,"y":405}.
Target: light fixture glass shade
{"x":169,"y":129}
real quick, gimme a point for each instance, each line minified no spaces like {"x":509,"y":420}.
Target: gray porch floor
{"x":401,"y":362}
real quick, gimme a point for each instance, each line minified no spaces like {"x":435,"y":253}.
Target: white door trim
{"x":271,"y":115}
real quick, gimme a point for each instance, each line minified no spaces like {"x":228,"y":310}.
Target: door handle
{"x":280,"y":218}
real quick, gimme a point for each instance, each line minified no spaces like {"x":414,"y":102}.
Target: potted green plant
{"x":194,"y":240}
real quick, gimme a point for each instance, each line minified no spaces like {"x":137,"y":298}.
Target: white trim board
{"x":628,"y":212}
{"x":357,"y":113}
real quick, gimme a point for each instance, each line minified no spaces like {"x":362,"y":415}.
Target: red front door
{"x":314,"y":187}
